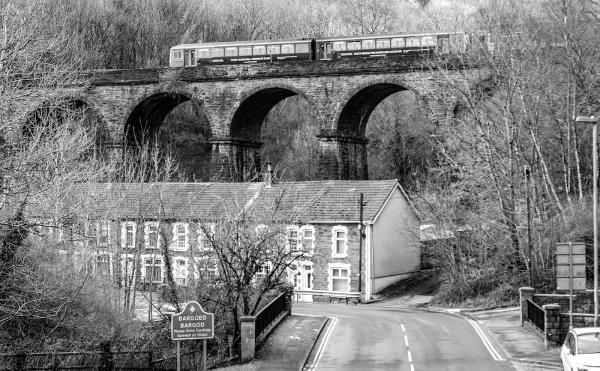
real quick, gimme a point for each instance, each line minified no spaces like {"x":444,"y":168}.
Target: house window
{"x":292,"y":239}
{"x":206,"y":233}
{"x":128,"y":234}
{"x":340,"y":242}
{"x":207,"y":268}
{"x":262,"y":272}
{"x":153,"y":270}
{"x":180,"y":271}
{"x":151,"y":234}
{"x":339,"y":277}
{"x":102,"y":232}
{"x":307,"y":234}
{"x":102,"y":264}
{"x":128,"y":270}
{"x":180,"y":236}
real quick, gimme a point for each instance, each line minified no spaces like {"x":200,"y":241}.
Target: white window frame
{"x":124,"y":226}
{"x":124,"y":272}
{"x":182,"y":274}
{"x":339,"y":266}
{"x":144,"y":265}
{"x":334,"y":239}
{"x":147,"y":226}
{"x":260,"y":275}
{"x":175,"y":244}
{"x":288,"y":239}
{"x":99,"y":235}
{"x":110,"y":263}
{"x":302,"y":238}
{"x":202,"y":266}
{"x":203,"y":243}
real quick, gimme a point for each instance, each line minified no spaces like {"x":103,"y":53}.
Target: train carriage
{"x":370,"y":46}
{"x":238,"y":52}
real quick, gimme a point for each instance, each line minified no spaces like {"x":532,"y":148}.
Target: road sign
{"x":570,"y":266}
{"x":192,"y":323}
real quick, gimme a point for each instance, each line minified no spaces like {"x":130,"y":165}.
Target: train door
{"x":186,"y":58}
{"x":326,"y":50}
{"x":193,"y":60}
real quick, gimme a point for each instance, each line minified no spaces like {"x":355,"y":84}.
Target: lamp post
{"x":594,"y":121}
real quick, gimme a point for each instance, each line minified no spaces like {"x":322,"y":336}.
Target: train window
{"x":383,"y":44}
{"x":287,"y":49}
{"x":217,"y":52}
{"x":398,"y":43}
{"x":427,"y":41}
{"x":273,"y":49}
{"x":413,"y":41}
{"x":231,"y":51}
{"x":339,"y":46}
{"x":245,"y":50}
{"x":177,"y":54}
{"x":368,"y":44}
{"x":203,"y":53}
{"x":301,"y":48}
{"x":353,"y":45}
{"x":259,"y":50}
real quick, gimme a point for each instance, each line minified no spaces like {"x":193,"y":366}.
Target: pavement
{"x":289,"y":346}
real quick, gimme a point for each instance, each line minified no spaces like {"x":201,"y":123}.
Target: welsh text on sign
{"x":192,"y":323}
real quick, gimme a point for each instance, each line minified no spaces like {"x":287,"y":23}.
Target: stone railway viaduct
{"x":237,"y":98}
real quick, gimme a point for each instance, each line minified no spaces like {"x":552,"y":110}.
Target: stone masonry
{"x":237,"y":98}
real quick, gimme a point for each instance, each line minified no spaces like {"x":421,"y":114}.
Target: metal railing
{"x":536,"y":315}
{"x":269,"y":313}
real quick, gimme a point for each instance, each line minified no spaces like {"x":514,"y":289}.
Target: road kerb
{"x":535,"y":362}
{"x":303,"y":364}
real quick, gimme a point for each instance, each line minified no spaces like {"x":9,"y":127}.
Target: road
{"x":381,"y":338}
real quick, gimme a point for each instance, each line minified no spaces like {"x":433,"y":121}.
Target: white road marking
{"x":488,"y":344}
{"x":323,"y":344}
{"x":412,"y":366}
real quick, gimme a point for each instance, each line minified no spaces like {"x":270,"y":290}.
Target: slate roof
{"x":310,"y":201}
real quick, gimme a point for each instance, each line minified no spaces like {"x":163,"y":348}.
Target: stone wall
{"x":229,"y":94}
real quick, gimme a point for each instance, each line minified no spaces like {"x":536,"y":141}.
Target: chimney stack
{"x":269,"y":175}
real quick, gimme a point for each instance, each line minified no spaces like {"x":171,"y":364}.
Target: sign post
{"x":570,"y":270}
{"x":192,"y":323}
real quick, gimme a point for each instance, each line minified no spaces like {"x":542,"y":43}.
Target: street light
{"x":594,"y":121}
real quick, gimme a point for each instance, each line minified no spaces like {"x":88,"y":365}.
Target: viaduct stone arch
{"x":236,"y":98}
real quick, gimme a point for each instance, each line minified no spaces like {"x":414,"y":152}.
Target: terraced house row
{"x":337,"y":246}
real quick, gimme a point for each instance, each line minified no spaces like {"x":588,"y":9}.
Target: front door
{"x":303,"y":280}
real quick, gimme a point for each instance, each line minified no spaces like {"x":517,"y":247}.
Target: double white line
{"x":323,"y":344}
{"x":488,"y":344}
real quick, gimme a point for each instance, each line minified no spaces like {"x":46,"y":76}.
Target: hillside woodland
{"x":504,"y":178}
